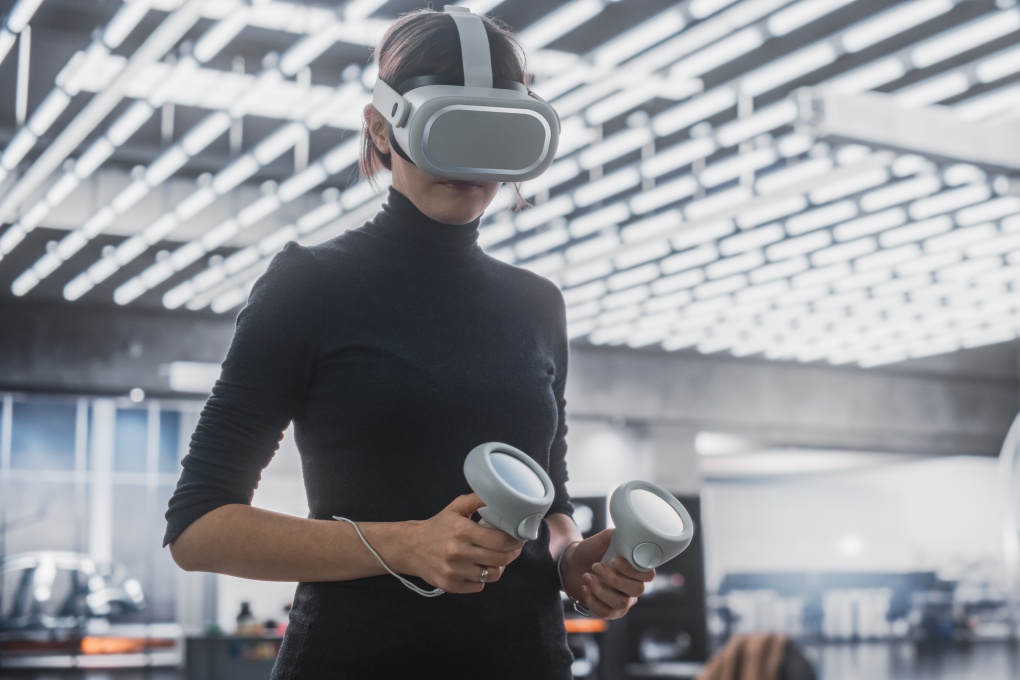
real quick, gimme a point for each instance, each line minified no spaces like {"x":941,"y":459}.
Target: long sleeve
{"x":260,"y":389}
{"x":558,"y":451}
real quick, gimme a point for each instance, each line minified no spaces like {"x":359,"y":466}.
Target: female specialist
{"x":395,"y":348}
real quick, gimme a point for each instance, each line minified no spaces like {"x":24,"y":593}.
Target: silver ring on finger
{"x":484,"y":576}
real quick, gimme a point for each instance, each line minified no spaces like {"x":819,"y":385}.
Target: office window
{"x":42,"y":435}
{"x":130,"y":443}
{"x":169,"y":441}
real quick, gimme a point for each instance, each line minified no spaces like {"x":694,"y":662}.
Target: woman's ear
{"x":377,"y":128}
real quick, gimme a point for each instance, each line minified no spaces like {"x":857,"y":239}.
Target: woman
{"x":395,"y":349}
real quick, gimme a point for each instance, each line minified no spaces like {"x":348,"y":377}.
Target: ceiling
{"x":157,"y":153}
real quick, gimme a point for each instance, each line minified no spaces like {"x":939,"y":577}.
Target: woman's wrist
{"x":567,"y":571}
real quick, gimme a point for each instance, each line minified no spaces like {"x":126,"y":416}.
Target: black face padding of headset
{"x":421,"y":81}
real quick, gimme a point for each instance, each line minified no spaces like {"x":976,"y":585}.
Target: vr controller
{"x":652,"y":526}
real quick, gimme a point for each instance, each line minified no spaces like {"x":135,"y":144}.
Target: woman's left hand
{"x":606,"y":590}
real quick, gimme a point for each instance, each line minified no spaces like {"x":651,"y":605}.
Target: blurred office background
{"x":787,"y":233}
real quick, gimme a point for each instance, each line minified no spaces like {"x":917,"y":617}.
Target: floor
{"x":871,"y":661}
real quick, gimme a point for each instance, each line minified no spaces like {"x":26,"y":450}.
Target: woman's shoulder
{"x":527,"y":281}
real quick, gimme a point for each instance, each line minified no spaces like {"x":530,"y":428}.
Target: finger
{"x":494,"y":539}
{"x":628,"y":570}
{"x":621,"y":582}
{"x":472,"y":573}
{"x":466,"y":505}
{"x":613,"y":598}
{"x":496,"y":558}
{"x":596,"y":606}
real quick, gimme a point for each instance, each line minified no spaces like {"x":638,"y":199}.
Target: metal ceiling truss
{"x":733,"y":175}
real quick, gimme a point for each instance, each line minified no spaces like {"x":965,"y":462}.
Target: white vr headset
{"x":480,"y":130}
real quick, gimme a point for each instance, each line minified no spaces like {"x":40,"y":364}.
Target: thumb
{"x":466,"y":505}
{"x":593,"y":548}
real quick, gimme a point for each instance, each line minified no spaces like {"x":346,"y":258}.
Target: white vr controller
{"x":652,"y":527}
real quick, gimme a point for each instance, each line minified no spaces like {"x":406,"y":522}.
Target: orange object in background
{"x":118,"y":645}
{"x":586,"y":625}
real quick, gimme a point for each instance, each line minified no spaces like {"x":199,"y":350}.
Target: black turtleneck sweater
{"x":395,"y":348}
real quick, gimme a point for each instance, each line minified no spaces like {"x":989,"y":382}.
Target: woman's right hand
{"x":450,"y":549}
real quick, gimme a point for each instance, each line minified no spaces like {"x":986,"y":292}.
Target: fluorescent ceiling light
{"x":767,"y":211}
{"x":949,"y":200}
{"x":235,"y":173}
{"x":21,"y":15}
{"x":614,"y":147}
{"x":593,"y":247}
{"x":663,"y":195}
{"x":633,"y":277}
{"x":597,"y":220}
{"x":933,"y":91}
{"x":677,"y":156}
{"x":696,"y":110}
{"x":765,"y":120}
{"x":1005,"y":101}
{"x":814,"y":277}
{"x":844,"y":251}
{"x":959,"y":239}
{"x":722,"y":52}
{"x":638,"y":39}
{"x":870,"y":224}
{"x":893,"y":22}
{"x":559,"y":22}
{"x":991,"y":210}
{"x":779,"y":270}
{"x":821,"y":217}
{"x":901,"y":192}
{"x":735,"y":264}
{"x":95,"y":156}
{"x":681,"y":281}
{"x":124,"y":22}
{"x":203,"y":134}
{"x":540,"y":243}
{"x":792,"y":175}
{"x":756,"y":238}
{"x":131,"y":194}
{"x":48,"y":111}
{"x":717,"y":202}
{"x":558,"y":173}
{"x":916,"y":231}
{"x":544,"y":213}
{"x":7,"y":40}
{"x":689,"y":259}
{"x":641,"y":253}
{"x":788,"y":68}
{"x":168,"y":162}
{"x":302,"y":182}
{"x":867,"y":77}
{"x":846,"y":186}
{"x":736,"y":166}
{"x":663,"y":223}
{"x":700,"y":9}
{"x":17,"y":148}
{"x":259,"y":210}
{"x":1003,"y":64}
{"x":607,"y":187}
{"x":194,"y":204}
{"x":975,"y":34}
{"x":802,"y":14}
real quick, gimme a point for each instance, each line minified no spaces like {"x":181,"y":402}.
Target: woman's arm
{"x":446,"y":550}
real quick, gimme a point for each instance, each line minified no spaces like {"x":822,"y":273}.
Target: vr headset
{"x":478,"y":129}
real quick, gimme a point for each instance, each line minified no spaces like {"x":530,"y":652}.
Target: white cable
{"x":420,"y":591}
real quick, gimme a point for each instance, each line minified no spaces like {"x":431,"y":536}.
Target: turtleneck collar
{"x":402,"y":222}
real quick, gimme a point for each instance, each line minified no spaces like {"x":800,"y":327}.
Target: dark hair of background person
{"x":426,"y":42}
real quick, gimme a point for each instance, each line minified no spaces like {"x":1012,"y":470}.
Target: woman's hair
{"x":426,"y":42}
